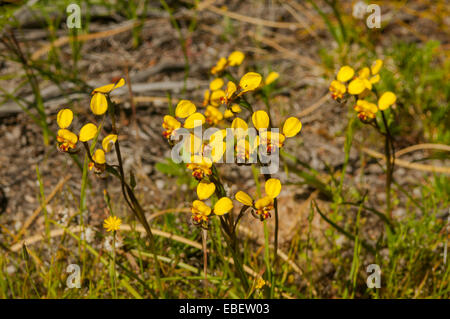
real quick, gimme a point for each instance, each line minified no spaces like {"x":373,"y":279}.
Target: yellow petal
{"x":108,"y":142}
{"x":236,"y":108}
{"x":68,"y":136}
{"x":194,"y":120}
{"x":64,"y":118}
{"x":236,"y":58}
{"x":88,"y":132}
{"x":231,"y":88}
{"x":200,"y":207}
{"x":272,"y":76}
{"x":223,"y":206}
{"x":273,"y":187}
{"x":292,"y":126}
{"x":99,"y":105}
{"x":364,"y":73}
{"x":171,"y":123}
{"x":216,"y":97}
{"x":99,"y":157}
{"x":375,"y":79}
{"x":227,"y":114}
{"x":109,"y":87}
{"x":205,"y":190}
{"x":345,"y":73}
{"x":376,"y":66}
{"x":264,"y":202}
{"x":239,"y":123}
{"x":193,"y":144}
{"x":356,"y":86}
{"x":217,"y":151}
{"x":260,"y":120}
{"x":221,"y":64}
{"x":250,"y":81}
{"x":244,"y":198}
{"x":184,"y":109}
{"x":386,"y":100}
{"x":216,"y":84}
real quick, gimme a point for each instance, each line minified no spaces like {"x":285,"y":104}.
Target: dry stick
{"x":425,"y":146}
{"x":406,"y":164}
{"x":302,"y":59}
{"x":252,"y":20}
{"x":86,"y":37}
{"x":314,"y":107}
{"x":31,"y":219}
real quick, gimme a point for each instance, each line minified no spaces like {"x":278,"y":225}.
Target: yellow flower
{"x":170,"y":124}
{"x":271,"y":77}
{"x":260,"y":120}
{"x":108,"y":141}
{"x":99,"y":103}
{"x":236,"y":108}
{"x":112,"y":223}
{"x":345,"y":73}
{"x":260,"y":283}
{"x":213,"y":115}
{"x":229,"y":92}
{"x":200,"y":211}
{"x":376,"y":66}
{"x":216,"y":84}
{"x":205,"y":190}
{"x":264,"y":205}
{"x":184,"y":109}
{"x":64,"y":118}
{"x":236,"y":58}
{"x":88,"y":132}
{"x":357,"y":86}
{"x":194,"y":120}
{"x":217,"y":97}
{"x":220,"y":66}
{"x":227,"y":114}
{"x":386,"y":100}
{"x":65,"y":138}
{"x":200,"y":166}
{"x":366,"y":110}
{"x":291,"y":128}
{"x":337,"y":89}
{"x":206,"y":96}
{"x":249,"y":82}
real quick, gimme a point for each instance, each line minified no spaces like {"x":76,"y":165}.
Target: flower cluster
{"x":67,"y":140}
{"x":224,"y":101}
{"x":361,"y":85}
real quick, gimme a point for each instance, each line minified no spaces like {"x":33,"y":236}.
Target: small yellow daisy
{"x":112,"y":223}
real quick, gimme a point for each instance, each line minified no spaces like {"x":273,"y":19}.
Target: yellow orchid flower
{"x":386,"y":100}
{"x":249,"y":82}
{"x":229,"y":92}
{"x":291,"y":127}
{"x":337,"y":89}
{"x":264,"y":205}
{"x":213,"y":115}
{"x":108,"y":142}
{"x":88,"y":132}
{"x":200,"y":211}
{"x":170,"y":124}
{"x":220,"y":66}
{"x":216,"y":84}
{"x":236,"y":58}
{"x":112,"y":223}
{"x":365,"y":109}
{"x":185,"y":109}
{"x":205,"y":190}
{"x":271,"y":77}
{"x":217,"y":97}
{"x":200,"y":166}
{"x":99,"y":103}
{"x":66,"y":139}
